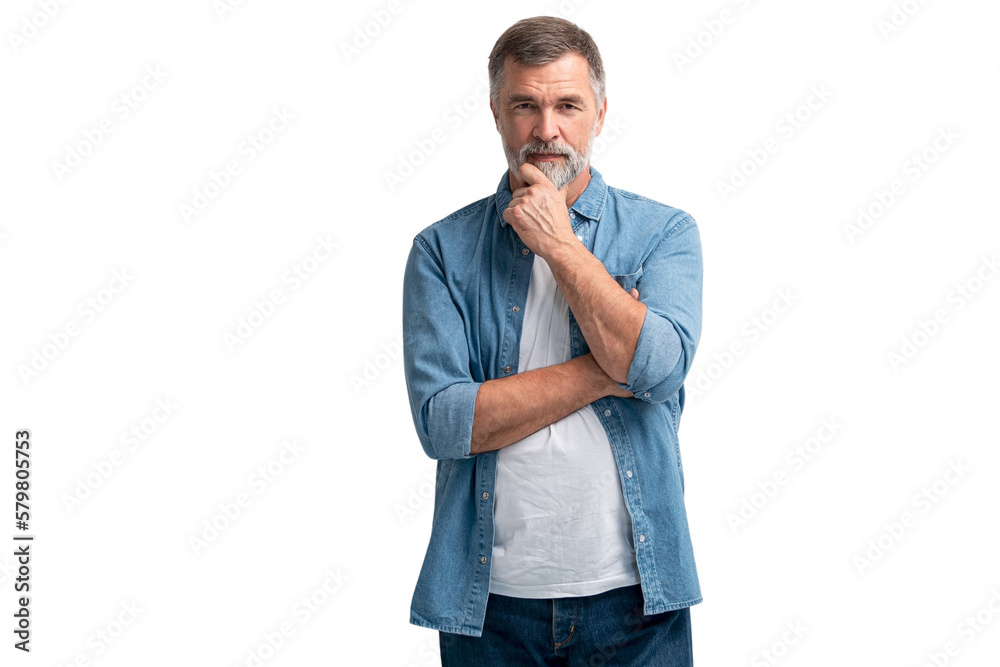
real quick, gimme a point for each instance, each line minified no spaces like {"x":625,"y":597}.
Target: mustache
{"x":553,"y":148}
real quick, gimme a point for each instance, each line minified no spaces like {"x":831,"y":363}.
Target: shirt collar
{"x":590,"y":203}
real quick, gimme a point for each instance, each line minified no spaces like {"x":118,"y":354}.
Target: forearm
{"x":610,"y":318}
{"x":511,"y":408}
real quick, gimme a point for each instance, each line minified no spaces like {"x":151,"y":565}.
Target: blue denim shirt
{"x":464,"y":276}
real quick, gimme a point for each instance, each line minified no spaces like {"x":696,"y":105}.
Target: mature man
{"x":548,"y":329}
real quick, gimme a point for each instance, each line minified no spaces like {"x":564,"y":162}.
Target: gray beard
{"x":561,"y":174}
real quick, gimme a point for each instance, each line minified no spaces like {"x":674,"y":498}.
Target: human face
{"x":547,"y":116}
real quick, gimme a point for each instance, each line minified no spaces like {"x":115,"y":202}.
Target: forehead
{"x":569,"y":74}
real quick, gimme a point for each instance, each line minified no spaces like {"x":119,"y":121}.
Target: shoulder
{"x":457,"y":222}
{"x":457,"y":230}
{"x":664,"y":218}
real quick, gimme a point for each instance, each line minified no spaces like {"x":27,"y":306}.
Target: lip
{"x":546,"y":157}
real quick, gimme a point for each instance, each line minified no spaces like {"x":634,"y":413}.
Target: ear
{"x":601,"y":113}
{"x":496,"y":118}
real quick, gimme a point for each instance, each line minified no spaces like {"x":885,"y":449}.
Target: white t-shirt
{"x":561,"y":527}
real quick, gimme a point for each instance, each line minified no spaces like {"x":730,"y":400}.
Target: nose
{"x":546,"y":128}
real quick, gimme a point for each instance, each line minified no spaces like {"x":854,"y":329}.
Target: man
{"x":548,"y":329}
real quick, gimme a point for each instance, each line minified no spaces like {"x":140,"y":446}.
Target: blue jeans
{"x":591,"y":631}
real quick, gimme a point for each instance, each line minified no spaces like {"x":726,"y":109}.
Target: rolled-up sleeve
{"x":441,"y":389}
{"x":671,"y":288}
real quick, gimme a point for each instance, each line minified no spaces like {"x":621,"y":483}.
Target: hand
{"x":538,"y":213}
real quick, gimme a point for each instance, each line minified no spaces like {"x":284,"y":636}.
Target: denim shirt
{"x":464,"y":288}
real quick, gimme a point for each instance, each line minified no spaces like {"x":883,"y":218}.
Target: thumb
{"x":532,"y":175}
{"x":635,"y":294}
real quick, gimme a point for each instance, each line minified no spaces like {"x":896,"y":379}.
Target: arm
{"x":439,"y":383}
{"x":511,"y":408}
{"x":671,"y":289}
{"x":610,"y":320}
{"x":646,"y":347}
{"x":455,"y":416}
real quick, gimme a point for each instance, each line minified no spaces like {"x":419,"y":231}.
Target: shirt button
{"x":524,"y":251}
{"x":517,"y":308}
{"x":607,"y":413}
{"x":572,"y":215}
{"x":483,"y":559}
{"x":642,"y":538}
{"x":579,"y":238}
{"x":628,"y":473}
{"x":646,"y":394}
{"x":506,"y":369}
{"x":485,"y":495}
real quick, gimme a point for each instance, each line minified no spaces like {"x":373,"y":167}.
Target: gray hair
{"x":539,"y":41}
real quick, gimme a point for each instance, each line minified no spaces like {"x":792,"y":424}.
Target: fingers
{"x":635,"y":294}
{"x":514,"y":203}
{"x":532,"y":175}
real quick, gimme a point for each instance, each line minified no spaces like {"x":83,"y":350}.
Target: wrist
{"x":563,"y":251}
{"x":599,"y":381}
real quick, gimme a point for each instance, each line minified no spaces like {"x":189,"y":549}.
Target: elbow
{"x":440,"y":445}
{"x":616,"y":367}
{"x":444,"y":422}
{"x":665,"y":389}
{"x":656,"y":383}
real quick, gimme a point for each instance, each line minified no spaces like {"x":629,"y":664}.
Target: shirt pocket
{"x":628,"y":280}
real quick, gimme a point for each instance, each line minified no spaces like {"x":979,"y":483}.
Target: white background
{"x":325,"y":367}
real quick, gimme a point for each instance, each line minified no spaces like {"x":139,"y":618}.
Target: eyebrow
{"x":572,"y":99}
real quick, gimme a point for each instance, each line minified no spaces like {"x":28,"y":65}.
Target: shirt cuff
{"x":449,"y":420}
{"x":656,"y":355}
